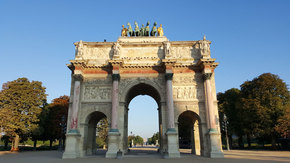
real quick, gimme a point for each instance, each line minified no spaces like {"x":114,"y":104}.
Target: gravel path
{"x":233,"y":156}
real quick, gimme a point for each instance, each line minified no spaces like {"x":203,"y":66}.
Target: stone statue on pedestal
{"x":117,"y":48}
{"x":204,"y":47}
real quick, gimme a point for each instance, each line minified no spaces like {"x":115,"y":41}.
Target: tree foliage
{"x":258,"y":109}
{"x":137,"y":140}
{"x":102,"y":129}
{"x":265,"y":98}
{"x":153,"y":139}
{"x":21,"y":103}
{"x":56,"y":118}
{"x":283,"y":125}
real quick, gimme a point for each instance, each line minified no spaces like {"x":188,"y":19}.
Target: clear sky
{"x":249,"y":37}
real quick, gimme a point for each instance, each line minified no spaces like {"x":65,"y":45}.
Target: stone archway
{"x":106,"y":76}
{"x":89,"y":144}
{"x":190,"y":132}
{"x":141,"y":89}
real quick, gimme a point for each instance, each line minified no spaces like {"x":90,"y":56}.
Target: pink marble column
{"x":209,"y":102}
{"x":169,"y":100}
{"x":75,"y":105}
{"x":115,"y":102}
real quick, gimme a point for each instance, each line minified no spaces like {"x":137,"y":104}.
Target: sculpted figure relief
{"x":80,"y":49}
{"x":137,"y":30}
{"x":117,"y":49}
{"x":184,"y":79}
{"x":154,"y":30}
{"x":167,"y":49}
{"x":97,"y":93}
{"x":124,"y":31}
{"x":204,"y":47}
{"x":130,"y":30}
{"x":147,"y":29}
{"x":160,"y":30}
{"x":142,"y":32}
{"x":184,"y":92}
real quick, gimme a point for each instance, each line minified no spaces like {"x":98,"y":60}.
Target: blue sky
{"x":249,"y":37}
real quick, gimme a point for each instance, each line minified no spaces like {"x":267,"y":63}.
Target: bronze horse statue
{"x":147,"y":30}
{"x":137,"y":30}
{"x":130,"y":30}
{"x":154,"y":30}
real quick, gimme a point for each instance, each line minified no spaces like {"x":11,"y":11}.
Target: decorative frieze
{"x":93,"y":93}
{"x":184,"y":80}
{"x":184,"y":92}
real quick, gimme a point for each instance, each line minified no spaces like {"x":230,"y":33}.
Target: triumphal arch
{"x":179,"y":75}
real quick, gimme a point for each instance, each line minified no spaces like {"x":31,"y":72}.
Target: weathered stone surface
{"x":142,"y":66}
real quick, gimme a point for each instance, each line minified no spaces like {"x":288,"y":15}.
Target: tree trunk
{"x":15,"y":143}
{"x":6,"y":142}
{"x":249,"y":141}
{"x":34,"y":145}
{"x":273,"y":141}
{"x":231,"y":141}
{"x":12,"y":145}
{"x":50,"y":144}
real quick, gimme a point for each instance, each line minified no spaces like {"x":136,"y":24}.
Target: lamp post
{"x":226,"y":130}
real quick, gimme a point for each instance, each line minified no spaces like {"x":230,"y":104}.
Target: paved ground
{"x":140,"y":156}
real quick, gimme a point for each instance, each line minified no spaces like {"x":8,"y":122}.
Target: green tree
{"x":20,"y":105}
{"x":153,"y":139}
{"x":39,"y":132}
{"x":137,"y":140}
{"x":102,"y":129}
{"x":265,"y":99}
{"x":283,"y":125}
{"x":57,"y":118}
{"x":230,"y":105}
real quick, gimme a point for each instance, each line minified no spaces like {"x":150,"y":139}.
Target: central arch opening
{"x":142,"y":120}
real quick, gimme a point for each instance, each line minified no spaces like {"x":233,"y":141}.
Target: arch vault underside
{"x":179,"y":75}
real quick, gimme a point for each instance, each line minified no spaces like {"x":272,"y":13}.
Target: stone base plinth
{"x":173,"y":148}
{"x":215,"y":143}
{"x":72,"y":145}
{"x":113,"y":147}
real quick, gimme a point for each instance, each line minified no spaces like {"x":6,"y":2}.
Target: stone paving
{"x":233,"y":156}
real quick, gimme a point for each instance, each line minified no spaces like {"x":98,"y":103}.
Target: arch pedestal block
{"x":72,"y":145}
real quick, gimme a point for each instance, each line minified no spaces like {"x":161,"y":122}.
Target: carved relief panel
{"x":184,"y":52}
{"x":97,"y":93}
{"x":184,"y":92}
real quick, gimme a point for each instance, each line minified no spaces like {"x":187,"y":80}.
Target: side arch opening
{"x":190,"y":133}
{"x":96,"y":133}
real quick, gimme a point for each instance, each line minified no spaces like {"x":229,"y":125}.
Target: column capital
{"x":168,"y":76}
{"x":78,"y":77}
{"x":206,"y":76}
{"x":116,"y":77}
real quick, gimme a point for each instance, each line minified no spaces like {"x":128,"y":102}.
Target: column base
{"x":215,"y":145}
{"x":173,"y":147}
{"x":72,"y":145}
{"x":113,"y":144}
